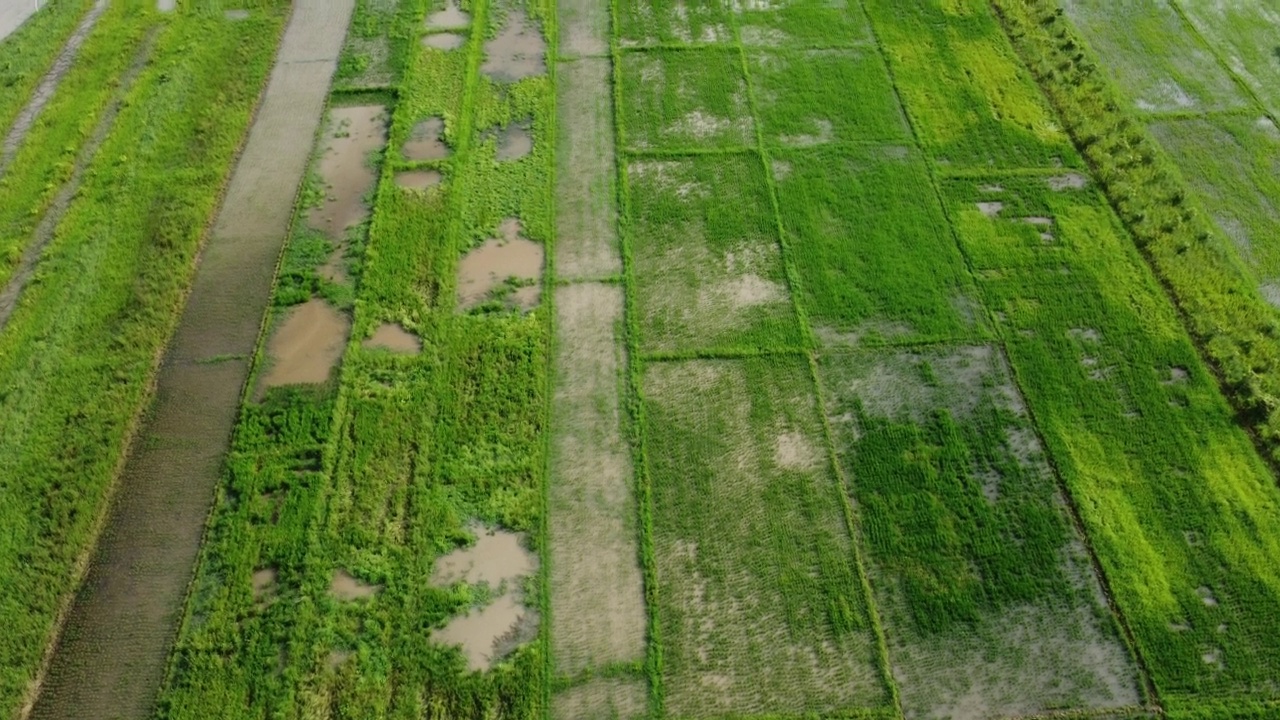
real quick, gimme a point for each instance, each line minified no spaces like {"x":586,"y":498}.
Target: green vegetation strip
{"x":27,"y":54}
{"x":1234,"y":327}
{"x":77,"y":356}
{"x":380,"y":476}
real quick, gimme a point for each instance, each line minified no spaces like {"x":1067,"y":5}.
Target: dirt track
{"x":110,"y":658}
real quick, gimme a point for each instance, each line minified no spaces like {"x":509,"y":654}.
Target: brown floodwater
{"x":426,"y":142}
{"x":497,"y":557}
{"x":418,"y":179}
{"x":519,"y":51}
{"x":307,"y":345}
{"x":396,"y":339}
{"x":486,"y":633}
{"x":354,"y":133}
{"x":450,"y":18}
{"x":514,"y":142}
{"x":487,"y":267}
{"x":346,"y":588}
{"x":444,"y":41}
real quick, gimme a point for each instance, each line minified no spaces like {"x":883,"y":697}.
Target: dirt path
{"x":44,"y":91}
{"x":110,"y":658}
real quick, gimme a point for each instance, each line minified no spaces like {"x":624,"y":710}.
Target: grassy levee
{"x":1179,"y":507}
{"x":30,"y":51}
{"x":1235,"y":329}
{"x":378,"y":477}
{"x":51,"y":149}
{"x":78,"y":354}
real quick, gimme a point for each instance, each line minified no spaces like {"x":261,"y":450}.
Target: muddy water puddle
{"x":426,"y":141}
{"x":418,"y":179}
{"x":514,"y":142}
{"x":307,"y":345}
{"x":394,"y":338}
{"x":354,"y":133}
{"x":264,"y":583}
{"x":444,"y":41}
{"x":519,"y":51}
{"x":346,"y":587}
{"x":451,"y":17}
{"x":499,"y":560}
{"x":509,"y":261}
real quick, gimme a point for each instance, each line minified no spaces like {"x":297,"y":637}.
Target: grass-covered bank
{"x":78,"y":354}
{"x":30,"y":51}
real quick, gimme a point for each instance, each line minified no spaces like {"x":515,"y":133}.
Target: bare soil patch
{"x":307,"y":345}
{"x":346,"y":587}
{"x":418,"y":179}
{"x":395,"y":338}
{"x":597,"y":591}
{"x":496,"y":264}
{"x":264,"y":583}
{"x":519,"y":51}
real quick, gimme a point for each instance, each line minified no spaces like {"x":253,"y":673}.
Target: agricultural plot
{"x":1242,"y":35}
{"x":31,"y":50}
{"x":1178,"y":506}
{"x":990,"y":605}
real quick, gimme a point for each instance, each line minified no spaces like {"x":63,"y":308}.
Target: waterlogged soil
{"x":347,"y":588}
{"x":450,"y":18}
{"x":307,"y":345}
{"x":514,"y":142}
{"x":444,"y":41}
{"x":396,"y":339}
{"x":354,"y":133}
{"x":499,"y":561}
{"x":418,"y":179}
{"x":518,"y":52}
{"x":426,"y":142}
{"x":486,"y":268}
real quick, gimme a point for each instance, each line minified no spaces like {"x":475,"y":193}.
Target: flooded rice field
{"x":354,"y":134}
{"x":444,"y":41}
{"x":418,"y":179}
{"x":514,"y":142}
{"x":517,"y":52}
{"x":510,"y":262}
{"x":426,"y":142}
{"x":450,"y":18}
{"x":396,"y":339}
{"x":499,"y":561}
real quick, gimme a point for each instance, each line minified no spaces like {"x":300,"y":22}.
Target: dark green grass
{"x":972,"y":103}
{"x":1178,"y":505}
{"x":1154,"y":56}
{"x":758,"y":596}
{"x":685,"y":99}
{"x":813,"y":97}
{"x":802,"y":23}
{"x":27,"y":54}
{"x":708,"y":268}
{"x":1232,"y":162}
{"x":672,"y":22}
{"x":76,"y":356}
{"x":871,"y":245}
{"x":984,"y":589}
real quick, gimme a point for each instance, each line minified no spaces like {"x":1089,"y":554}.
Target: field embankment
{"x":34,"y":51}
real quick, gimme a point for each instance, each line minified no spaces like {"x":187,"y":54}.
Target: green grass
{"x":1179,"y":507}
{"x":53,"y":146}
{"x":984,"y":589}
{"x":671,"y":22}
{"x":972,"y":102}
{"x":815,"y":97}
{"x":1155,"y":58}
{"x":407,"y":451}
{"x":674,"y":100}
{"x":30,"y":51}
{"x":1242,"y":36}
{"x":875,"y":258}
{"x":708,"y":269}
{"x":758,"y":595}
{"x":76,"y":356}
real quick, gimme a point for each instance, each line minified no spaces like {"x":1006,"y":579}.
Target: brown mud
{"x":109,"y":660}
{"x":486,"y":268}
{"x":518,"y":52}
{"x":444,"y":41}
{"x":396,"y":339}
{"x":426,"y":142}
{"x":418,"y":179}
{"x":307,"y":345}
{"x":353,"y":135}
{"x":514,"y":142}
{"x":44,"y":91}
{"x":347,"y":588}
{"x":450,"y":18}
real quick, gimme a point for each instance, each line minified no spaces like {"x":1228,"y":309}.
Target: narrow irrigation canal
{"x":109,"y":660}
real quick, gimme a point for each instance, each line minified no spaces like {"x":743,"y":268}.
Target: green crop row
{"x":27,"y":54}
{"x":53,"y":147}
{"x":77,"y":355}
{"x":393,"y":471}
{"x":1234,"y":327}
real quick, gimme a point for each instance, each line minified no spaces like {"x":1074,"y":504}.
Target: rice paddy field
{"x":640,"y":360}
